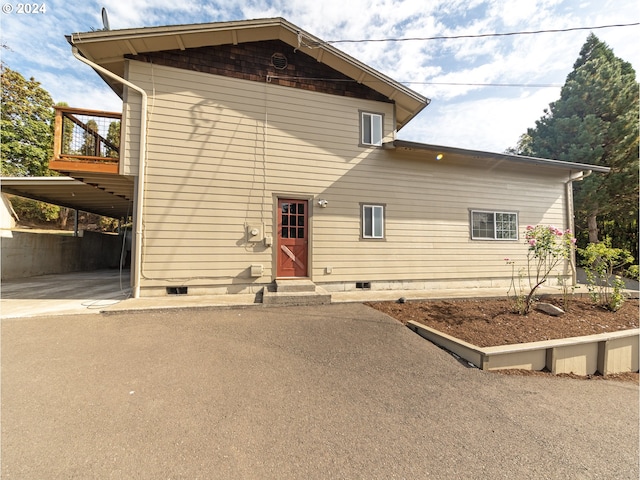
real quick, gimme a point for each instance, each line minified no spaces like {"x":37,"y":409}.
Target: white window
{"x":487,"y":225}
{"x":371,"y":128}
{"x":372,"y":221}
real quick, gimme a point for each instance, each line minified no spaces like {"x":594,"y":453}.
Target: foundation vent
{"x":177,"y":290}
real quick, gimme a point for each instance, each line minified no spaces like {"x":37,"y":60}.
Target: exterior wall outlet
{"x":268,"y":241}
{"x":328,"y":270}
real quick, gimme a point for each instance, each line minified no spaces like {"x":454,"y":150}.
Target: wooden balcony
{"x":86,"y":141}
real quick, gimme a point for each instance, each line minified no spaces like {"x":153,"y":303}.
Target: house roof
{"x":113,"y":200}
{"x":108,"y":49}
{"x":435,"y":149}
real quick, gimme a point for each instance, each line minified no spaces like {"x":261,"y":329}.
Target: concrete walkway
{"x":338,"y":391}
{"x":108,"y":291}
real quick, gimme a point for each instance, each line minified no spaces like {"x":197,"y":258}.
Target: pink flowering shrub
{"x":548,"y":247}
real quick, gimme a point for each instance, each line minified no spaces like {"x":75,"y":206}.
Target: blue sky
{"x":475,"y":117}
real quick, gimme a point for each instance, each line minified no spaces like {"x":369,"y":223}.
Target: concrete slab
{"x":109,"y":291}
{"x":285,"y":285}
{"x":296,"y":298}
{"x":63,"y":294}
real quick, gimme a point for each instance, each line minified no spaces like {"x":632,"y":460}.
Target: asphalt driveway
{"x":339,"y":391}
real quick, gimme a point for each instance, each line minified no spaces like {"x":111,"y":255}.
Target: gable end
{"x":253,"y":61}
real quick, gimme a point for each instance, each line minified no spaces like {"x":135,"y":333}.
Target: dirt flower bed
{"x":491,"y":322}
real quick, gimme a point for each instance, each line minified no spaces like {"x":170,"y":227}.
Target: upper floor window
{"x":487,"y":225}
{"x":370,"y":128}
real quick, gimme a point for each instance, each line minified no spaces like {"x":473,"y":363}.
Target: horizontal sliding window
{"x":488,"y":225}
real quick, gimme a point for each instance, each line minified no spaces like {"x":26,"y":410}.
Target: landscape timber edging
{"x":606,"y":353}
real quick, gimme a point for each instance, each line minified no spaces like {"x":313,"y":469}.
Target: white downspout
{"x":137,"y":256}
{"x":569,"y":196}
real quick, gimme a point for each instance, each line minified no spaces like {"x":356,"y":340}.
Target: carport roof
{"x":113,"y":198}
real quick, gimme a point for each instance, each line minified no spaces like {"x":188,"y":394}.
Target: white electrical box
{"x":256,"y":271}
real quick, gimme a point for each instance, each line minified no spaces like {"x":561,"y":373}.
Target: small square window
{"x":487,"y":225}
{"x":372,"y":221}
{"x":371,"y":129}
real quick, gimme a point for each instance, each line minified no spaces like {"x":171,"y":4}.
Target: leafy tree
{"x":523,"y":147}
{"x":25,"y":126}
{"x":34,"y":211}
{"x":595,"y":121}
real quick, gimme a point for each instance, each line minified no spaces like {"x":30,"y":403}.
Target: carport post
{"x":75,"y":223}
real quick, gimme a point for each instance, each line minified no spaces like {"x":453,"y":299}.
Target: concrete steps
{"x":295,"y":292}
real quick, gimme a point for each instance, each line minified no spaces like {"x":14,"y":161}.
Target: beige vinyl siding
{"x":130,"y":134}
{"x":220,"y":151}
{"x":427,"y":223}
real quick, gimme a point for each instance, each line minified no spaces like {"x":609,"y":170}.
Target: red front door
{"x":293,"y":216}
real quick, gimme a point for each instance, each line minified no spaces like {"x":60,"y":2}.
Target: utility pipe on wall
{"x":137,"y":256}
{"x":569,"y":201}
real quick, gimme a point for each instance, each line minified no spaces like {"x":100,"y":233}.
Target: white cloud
{"x":492,"y":124}
{"x":81,"y":91}
{"x":516,"y":13}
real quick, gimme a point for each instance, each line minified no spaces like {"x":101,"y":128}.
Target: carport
{"x":59,"y":267}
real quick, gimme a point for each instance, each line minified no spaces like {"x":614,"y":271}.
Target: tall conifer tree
{"x":595,"y":121}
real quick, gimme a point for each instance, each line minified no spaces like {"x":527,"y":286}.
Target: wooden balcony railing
{"x":86,"y":141}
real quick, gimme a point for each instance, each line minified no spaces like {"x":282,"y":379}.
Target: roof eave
{"x":99,"y":47}
{"x":496,"y":156}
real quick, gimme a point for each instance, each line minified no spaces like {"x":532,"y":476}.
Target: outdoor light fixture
{"x":323,"y":203}
{"x":439,"y":156}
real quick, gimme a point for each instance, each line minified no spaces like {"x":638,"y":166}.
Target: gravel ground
{"x":339,"y":391}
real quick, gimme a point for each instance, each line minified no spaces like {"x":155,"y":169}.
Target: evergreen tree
{"x":113,"y":137}
{"x":595,"y":121}
{"x":26,"y":126}
{"x":90,"y":144}
{"x":67,"y":131}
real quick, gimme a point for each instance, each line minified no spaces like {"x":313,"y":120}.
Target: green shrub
{"x":600,"y":261}
{"x":632,"y":272}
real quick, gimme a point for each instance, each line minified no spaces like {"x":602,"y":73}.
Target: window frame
{"x":382,"y":225}
{"x":495,"y":225}
{"x":372,"y":115}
